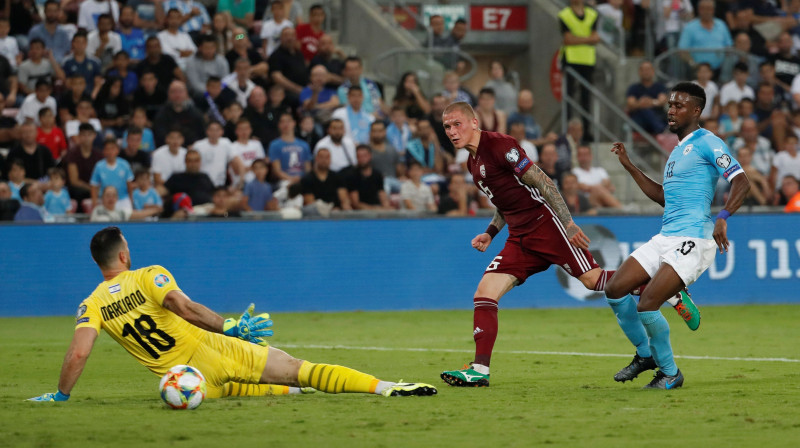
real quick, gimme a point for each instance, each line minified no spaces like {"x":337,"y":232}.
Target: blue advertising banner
{"x":368,"y":264}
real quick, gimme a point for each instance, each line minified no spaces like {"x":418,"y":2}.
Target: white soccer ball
{"x":183,"y":387}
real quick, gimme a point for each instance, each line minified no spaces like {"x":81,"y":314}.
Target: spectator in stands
{"x":271,"y":29}
{"x":121,"y":69}
{"x":287,"y":67}
{"x":548,"y":162}
{"x":415,"y":194}
{"x":174,"y":42}
{"x":9,"y":86}
{"x":567,"y":145}
{"x":232,"y":114}
{"x":57,"y":201}
{"x":205,"y":64}
{"x":455,"y":203}
{"x":36,"y":158}
{"x":704,"y":75}
{"x":356,"y":120}
{"x":353,"y":76}
{"x":438,"y":38}
{"x":743,"y":24}
{"x":69,"y":99}
{"x":215,"y":99}
{"x":773,"y":123}
{"x":308,"y":131}
{"x":240,"y":12}
{"x":260,"y":111}
{"x":103,"y":43}
{"x":112,"y":107}
{"x":331,"y":57}
{"x":786,"y":162}
{"x":741,"y":43}
{"x":309,"y":34}
{"x":243,"y":49}
{"x":222,"y":33}
{"x":761,"y":147}
{"x":131,"y":37}
{"x":108,"y":211}
{"x":646,"y":100}
{"x":323,"y":184}
{"x":40,"y":66}
{"x":517,"y":130}
{"x":316,"y":98}
{"x":239,"y":81}
{"x":84,"y":114}
{"x":385,"y":157}
{"x":258,"y":192}
{"x":247,"y":148}
{"x":193,"y":181}
{"x":489,"y":117}
{"x":737,"y":88}
{"x":524,"y":114}
{"x":787,"y":63}
{"x":49,"y":135}
{"x":82,"y":63}
{"x":505,"y":92}
{"x":579,"y":31}
{"x":705,"y":31}
{"x":80,"y":163}
{"x":132,"y":152}
{"x":730,"y":123}
{"x":438,"y":104}
{"x":424,"y":148}
{"x":790,"y":194}
{"x":8,"y":44}
{"x":221,"y":201}
{"x":115,"y":172}
{"x":8,"y":126}
{"x":139,"y":119}
{"x":365,"y":184}
{"x":410,"y":97}
{"x":398,"y":133}
{"x":54,"y":36}
{"x":594,"y":180}
{"x":453,"y":91}
{"x":33,"y":103}
{"x":90,"y":10}
{"x":576,"y":200}
{"x":149,"y":14}
{"x":216,"y":154}
{"x":783,"y":97}
{"x":760,"y":192}
{"x":163,"y":66}
{"x":341,"y":149}
{"x":168,"y":159}
{"x":451,"y":41}
{"x":149,"y":96}
{"x":194,"y":16}
{"x":32,"y":205}
{"x":8,"y":206}
{"x":673,"y":15}
{"x":16,"y":177}
{"x":145,"y":197}
{"x":179,"y":111}
{"x":290,"y":157}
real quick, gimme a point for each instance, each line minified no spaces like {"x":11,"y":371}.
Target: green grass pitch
{"x":536,"y":398}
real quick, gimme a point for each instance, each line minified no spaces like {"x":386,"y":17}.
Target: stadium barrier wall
{"x":367,"y":264}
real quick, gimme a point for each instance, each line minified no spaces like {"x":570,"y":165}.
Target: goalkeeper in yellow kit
{"x":146,"y":313}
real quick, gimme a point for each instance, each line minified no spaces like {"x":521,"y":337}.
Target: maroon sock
{"x":602,"y":280}
{"x":484,"y":329}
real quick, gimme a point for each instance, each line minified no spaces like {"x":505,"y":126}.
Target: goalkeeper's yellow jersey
{"x":129,"y":307}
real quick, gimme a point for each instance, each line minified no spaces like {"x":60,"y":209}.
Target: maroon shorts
{"x":526,"y":255}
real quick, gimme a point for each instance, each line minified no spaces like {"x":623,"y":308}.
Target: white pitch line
{"x":526,"y":352}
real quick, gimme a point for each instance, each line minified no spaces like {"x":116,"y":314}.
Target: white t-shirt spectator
{"x":91,"y":9}
{"x":215,"y":158}
{"x":593,"y":176}
{"x":102,"y":214}
{"x":712,"y":91}
{"x":31,"y":106}
{"x":173,"y":44}
{"x":611,"y":23}
{"x":271,"y":32}
{"x":93,"y":42}
{"x":166,"y":164}
{"x":786,"y":165}
{"x":342,"y":155}
{"x":72,"y":127}
{"x":248,"y":152}
{"x":732,"y":92}
{"x":419,"y":196}
{"x":9,"y":49}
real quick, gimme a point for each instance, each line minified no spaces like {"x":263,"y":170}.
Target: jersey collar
{"x":686,"y":139}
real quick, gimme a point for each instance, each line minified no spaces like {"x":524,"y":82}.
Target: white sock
{"x":294,"y":390}
{"x":674,"y":300}
{"x":480,"y":368}
{"x":382,"y":386}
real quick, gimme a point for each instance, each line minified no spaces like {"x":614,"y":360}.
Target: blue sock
{"x":625,"y":310}
{"x":658,"y":332}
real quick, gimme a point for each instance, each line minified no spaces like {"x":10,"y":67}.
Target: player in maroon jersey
{"x":541,"y":231}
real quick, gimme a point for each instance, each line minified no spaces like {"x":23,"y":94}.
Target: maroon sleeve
{"x":508,"y":153}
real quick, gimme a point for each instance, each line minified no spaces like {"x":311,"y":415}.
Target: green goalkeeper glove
{"x":251,"y":329}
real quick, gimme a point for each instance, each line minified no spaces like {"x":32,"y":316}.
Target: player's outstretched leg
{"x":631,"y":325}
{"x":683,"y":305}
{"x":260,"y":390}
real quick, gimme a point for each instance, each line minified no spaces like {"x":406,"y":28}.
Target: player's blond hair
{"x":460,"y":106}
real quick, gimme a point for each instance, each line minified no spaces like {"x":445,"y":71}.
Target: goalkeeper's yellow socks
{"x":256,"y":390}
{"x":337,"y":379}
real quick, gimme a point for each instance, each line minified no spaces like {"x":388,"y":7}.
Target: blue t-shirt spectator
{"x":117,"y":176}
{"x":324,"y":96}
{"x":694,"y":35}
{"x":60,"y":42}
{"x":293,"y":155}
{"x":258,"y":194}
{"x":88,"y":68}
{"x":57,"y":203}
{"x":148,"y":142}
{"x":196,"y":22}
{"x":133,"y":43}
{"x":149,"y":197}
{"x":129,"y":83}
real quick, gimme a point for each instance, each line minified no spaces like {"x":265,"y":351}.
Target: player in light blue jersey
{"x":676,"y":257}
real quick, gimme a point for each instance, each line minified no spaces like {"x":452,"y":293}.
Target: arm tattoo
{"x":498,"y":220}
{"x":536,"y":178}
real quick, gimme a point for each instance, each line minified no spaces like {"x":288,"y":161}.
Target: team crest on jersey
{"x":160,"y":280}
{"x":687,"y":149}
{"x":483,"y":170}
{"x":724,"y":161}
{"x":113,"y":289}
{"x":81,"y":311}
{"x":512,"y":156}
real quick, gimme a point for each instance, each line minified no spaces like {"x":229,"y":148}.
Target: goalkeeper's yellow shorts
{"x":223,"y":359}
